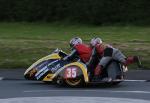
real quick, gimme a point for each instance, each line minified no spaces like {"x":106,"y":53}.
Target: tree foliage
{"x":84,"y":11}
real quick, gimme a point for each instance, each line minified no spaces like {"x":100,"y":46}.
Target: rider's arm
{"x":71,"y":56}
{"x":62,"y":54}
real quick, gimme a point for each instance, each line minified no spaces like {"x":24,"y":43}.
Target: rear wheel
{"x":69,"y":82}
{"x":74,"y":82}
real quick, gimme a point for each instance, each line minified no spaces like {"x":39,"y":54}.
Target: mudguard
{"x":82,"y":68}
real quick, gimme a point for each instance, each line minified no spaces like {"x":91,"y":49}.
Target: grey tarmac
{"x":13,"y":85}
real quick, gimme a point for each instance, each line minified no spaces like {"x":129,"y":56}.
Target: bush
{"x":84,"y":11}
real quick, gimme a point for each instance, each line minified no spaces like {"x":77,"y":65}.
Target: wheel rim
{"x":73,"y":82}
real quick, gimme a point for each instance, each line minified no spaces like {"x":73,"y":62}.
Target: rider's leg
{"x":108,"y":52}
{"x":133,"y":59}
{"x":119,"y":56}
{"x":91,"y":66}
{"x":102,"y":64}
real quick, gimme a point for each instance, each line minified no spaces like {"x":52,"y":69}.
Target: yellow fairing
{"x":80,"y":65}
{"x":48,"y":77}
{"x":52,"y":56}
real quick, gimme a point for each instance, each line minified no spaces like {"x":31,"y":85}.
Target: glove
{"x":98,"y":70}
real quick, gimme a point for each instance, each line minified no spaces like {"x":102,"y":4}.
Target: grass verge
{"x":21,"y":44}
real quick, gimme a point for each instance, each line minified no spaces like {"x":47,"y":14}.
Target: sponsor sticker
{"x":55,"y":68}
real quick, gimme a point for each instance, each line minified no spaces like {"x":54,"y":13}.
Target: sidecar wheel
{"x":60,"y":81}
{"x":74,"y":82}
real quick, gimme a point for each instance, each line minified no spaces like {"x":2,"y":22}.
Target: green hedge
{"x":85,"y":11}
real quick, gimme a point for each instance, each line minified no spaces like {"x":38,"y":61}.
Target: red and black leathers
{"x":84,"y":52}
{"x":81,"y":51}
{"x":99,"y":49}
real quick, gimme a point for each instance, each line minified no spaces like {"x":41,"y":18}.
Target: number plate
{"x":71,"y":72}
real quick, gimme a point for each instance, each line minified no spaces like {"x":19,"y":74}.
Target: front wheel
{"x":71,"y":82}
{"x":74,"y":82}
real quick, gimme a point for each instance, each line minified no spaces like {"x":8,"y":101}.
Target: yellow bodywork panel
{"x":48,"y":77}
{"x":32,"y":72}
{"x":52,"y":56}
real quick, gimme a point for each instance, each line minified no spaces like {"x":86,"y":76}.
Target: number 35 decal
{"x":71,"y":72}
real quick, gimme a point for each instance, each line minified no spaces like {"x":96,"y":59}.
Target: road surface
{"x":14,"y":86}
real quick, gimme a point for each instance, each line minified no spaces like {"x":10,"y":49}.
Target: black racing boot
{"x":138,"y":61}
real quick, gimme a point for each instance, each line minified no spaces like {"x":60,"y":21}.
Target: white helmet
{"x":75,"y":41}
{"x":95,"y":41}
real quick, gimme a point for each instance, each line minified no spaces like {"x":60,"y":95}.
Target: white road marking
{"x":71,"y":99}
{"x":1,"y":78}
{"x":147,"y":92}
{"x":88,"y":90}
{"x":128,"y":80}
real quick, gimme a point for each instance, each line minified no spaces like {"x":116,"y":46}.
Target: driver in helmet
{"x":79,"y":50}
{"x":106,"y":53}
